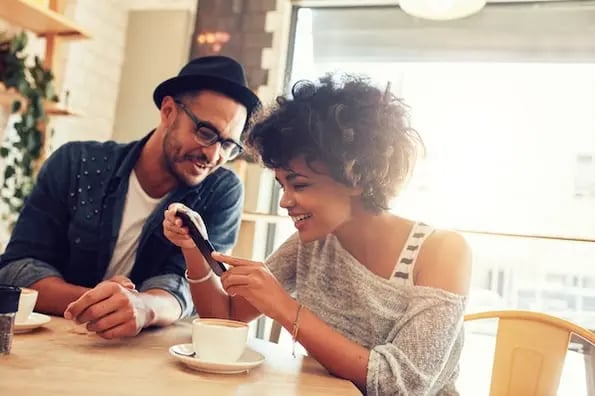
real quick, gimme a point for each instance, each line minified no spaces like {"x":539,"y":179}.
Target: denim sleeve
{"x":25,"y":272}
{"x":223,"y":212}
{"x":174,"y":284}
{"x":41,"y":229}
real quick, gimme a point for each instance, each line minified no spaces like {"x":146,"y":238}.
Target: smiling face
{"x":317,"y":204}
{"x":185,"y":158}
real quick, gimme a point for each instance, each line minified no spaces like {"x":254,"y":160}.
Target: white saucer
{"x":249,"y":359}
{"x":34,"y":321}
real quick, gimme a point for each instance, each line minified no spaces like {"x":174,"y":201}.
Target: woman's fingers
{"x":236,"y":261}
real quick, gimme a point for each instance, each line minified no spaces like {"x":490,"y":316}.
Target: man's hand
{"x":112,"y":309}
{"x":176,"y":232}
{"x":124,"y":281}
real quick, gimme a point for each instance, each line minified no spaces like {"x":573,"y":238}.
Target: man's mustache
{"x":194,"y":158}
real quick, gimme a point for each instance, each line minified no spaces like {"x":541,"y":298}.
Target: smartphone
{"x":203,"y":244}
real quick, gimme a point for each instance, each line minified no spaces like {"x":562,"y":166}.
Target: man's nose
{"x":213,"y":152}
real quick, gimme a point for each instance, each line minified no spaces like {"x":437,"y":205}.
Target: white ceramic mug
{"x":26,"y":304}
{"x":219,"y":340}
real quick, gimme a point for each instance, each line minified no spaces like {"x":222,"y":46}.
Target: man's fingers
{"x":112,"y":320}
{"x":175,"y":228}
{"x":124,"y":281}
{"x":99,"y":310}
{"x":93,"y":296}
{"x":127,"y":329}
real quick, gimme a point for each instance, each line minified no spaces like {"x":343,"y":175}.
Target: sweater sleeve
{"x":417,"y":350}
{"x":283,"y":263}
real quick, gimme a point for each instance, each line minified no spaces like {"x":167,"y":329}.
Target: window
{"x":509,"y":129}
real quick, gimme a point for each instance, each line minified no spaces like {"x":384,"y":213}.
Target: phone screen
{"x":203,"y":244}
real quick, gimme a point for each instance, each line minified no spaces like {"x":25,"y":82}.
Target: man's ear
{"x":167,"y":110}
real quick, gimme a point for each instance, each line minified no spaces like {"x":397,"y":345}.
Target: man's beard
{"x":171,"y":156}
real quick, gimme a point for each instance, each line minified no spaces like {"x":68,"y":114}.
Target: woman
{"x":376,"y":298}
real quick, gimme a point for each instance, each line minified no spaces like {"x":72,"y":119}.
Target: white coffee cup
{"x":219,"y":340}
{"x":26,"y":304}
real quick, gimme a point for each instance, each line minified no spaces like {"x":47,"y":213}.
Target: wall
{"x":91,"y":70}
{"x":152,"y":55}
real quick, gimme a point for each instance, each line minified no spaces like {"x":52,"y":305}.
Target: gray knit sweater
{"x":414,"y":333}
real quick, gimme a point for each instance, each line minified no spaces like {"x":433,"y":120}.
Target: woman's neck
{"x":374,"y":239}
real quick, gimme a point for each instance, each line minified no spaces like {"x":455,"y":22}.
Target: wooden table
{"x":58,"y":360}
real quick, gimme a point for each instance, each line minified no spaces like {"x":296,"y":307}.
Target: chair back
{"x":530,"y":351}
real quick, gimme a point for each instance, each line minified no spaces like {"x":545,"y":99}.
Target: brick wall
{"x":91,"y":70}
{"x":257,"y":37}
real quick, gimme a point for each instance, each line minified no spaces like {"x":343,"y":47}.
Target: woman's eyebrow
{"x":295,"y":175}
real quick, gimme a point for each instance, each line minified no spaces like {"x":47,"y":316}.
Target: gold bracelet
{"x":296,"y":328}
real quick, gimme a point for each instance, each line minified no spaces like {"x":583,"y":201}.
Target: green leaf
{"x":16,"y":106}
{"x":4,"y":151}
{"x":9,"y":172}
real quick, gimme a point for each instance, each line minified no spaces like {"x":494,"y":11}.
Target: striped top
{"x":403,"y":272}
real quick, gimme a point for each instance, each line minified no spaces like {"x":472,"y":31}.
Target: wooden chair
{"x":530,"y":351}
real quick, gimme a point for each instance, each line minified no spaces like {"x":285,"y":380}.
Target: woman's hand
{"x":254,"y":282}
{"x":175,"y":231}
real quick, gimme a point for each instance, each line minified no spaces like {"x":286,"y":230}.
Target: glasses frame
{"x":198,"y":124}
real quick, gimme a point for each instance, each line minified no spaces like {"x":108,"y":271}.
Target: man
{"x":91,"y":228}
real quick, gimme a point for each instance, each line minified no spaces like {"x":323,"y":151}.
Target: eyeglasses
{"x":206,"y":135}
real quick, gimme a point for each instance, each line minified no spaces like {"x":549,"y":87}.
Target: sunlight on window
{"x":510,"y":149}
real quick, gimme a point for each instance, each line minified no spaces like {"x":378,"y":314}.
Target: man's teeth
{"x":300,"y":217}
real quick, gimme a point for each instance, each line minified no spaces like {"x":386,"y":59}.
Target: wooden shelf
{"x":268,"y":218}
{"x":7,"y":97}
{"x":40,"y":20}
{"x":56,"y":109}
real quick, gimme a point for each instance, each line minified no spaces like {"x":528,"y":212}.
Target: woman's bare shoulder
{"x":444,"y":262}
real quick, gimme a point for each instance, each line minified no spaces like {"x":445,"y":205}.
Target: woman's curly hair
{"x":358,"y":131}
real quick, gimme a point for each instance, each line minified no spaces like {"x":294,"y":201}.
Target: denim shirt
{"x":70,"y":222}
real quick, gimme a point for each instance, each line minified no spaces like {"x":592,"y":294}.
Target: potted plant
{"x":31,"y":85}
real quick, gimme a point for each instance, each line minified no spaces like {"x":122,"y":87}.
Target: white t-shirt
{"x":137,"y":209}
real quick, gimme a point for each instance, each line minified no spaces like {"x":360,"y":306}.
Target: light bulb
{"x":441,"y":9}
